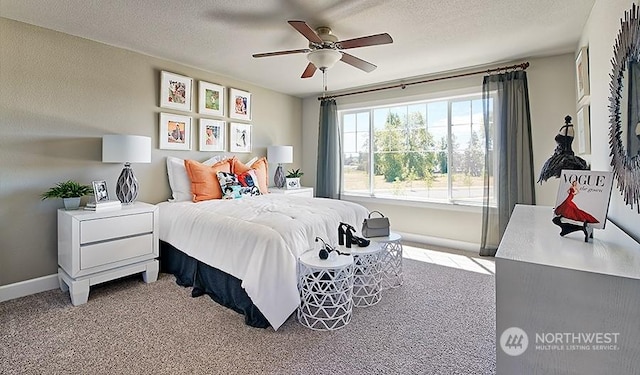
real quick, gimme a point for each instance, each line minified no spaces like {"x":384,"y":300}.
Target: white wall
{"x":599,"y":35}
{"x":58,"y":95}
{"x":552,"y":96}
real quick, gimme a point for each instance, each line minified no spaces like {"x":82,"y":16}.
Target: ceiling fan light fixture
{"x":324,"y":58}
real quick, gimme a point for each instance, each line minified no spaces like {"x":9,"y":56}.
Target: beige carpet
{"x":442,"y":321}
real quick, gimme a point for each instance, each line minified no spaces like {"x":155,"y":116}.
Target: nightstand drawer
{"x":115,"y":227}
{"x":113,"y":251}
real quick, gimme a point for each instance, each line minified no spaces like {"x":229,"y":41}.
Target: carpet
{"x":441,"y":321}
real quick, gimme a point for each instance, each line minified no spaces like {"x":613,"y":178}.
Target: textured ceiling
{"x":221,"y":35}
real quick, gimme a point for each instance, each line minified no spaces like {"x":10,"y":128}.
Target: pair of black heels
{"x":347,"y":237}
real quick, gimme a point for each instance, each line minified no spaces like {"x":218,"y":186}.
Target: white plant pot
{"x":293,"y":183}
{"x":71,"y":203}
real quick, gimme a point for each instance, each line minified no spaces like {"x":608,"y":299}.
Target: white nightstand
{"x":94,"y":247}
{"x":303,"y":191}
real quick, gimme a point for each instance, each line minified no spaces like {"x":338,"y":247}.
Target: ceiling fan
{"x":325,"y":49}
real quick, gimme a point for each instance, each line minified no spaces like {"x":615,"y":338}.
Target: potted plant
{"x":293,"y":178}
{"x":70,"y":192}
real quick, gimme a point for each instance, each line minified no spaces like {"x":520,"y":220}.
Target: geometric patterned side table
{"x":326,"y":291}
{"x":391,"y":260}
{"x":367,"y":273}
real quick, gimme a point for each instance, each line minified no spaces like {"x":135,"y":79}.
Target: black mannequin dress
{"x":563,"y":157}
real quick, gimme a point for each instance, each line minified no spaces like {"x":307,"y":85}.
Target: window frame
{"x":469,"y":93}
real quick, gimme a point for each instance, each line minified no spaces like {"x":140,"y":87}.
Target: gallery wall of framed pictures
{"x":177,"y":131}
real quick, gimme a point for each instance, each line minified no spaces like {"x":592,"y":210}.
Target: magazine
{"x":583,"y":197}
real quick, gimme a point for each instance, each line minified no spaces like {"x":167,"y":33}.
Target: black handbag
{"x":375,"y":226}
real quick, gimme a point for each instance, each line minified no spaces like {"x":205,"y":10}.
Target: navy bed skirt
{"x":220,"y":286}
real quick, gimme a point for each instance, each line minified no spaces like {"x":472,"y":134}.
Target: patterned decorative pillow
{"x":233,"y":189}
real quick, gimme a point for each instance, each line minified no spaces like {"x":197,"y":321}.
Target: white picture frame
{"x":100,"y":192}
{"x":239,"y":104}
{"x":175,"y":132}
{"x":175,"y":91}
{"x":211,"y":99}
{"x":212,"y":135}
{"x":582,"y":74}
{"x":583,"y":131}
{"x":239,"y":137}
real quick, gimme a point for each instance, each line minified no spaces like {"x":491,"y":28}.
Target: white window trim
{"x":460,"y":206}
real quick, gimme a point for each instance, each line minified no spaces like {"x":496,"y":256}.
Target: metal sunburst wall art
{"x":626,"y":167}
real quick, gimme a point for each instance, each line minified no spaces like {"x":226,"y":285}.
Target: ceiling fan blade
{"x":305,"y":30}
{"x":278,"y":53}
{"x":309,"y":71}
{"x":371,"y":40}
{"x":358,"y":63}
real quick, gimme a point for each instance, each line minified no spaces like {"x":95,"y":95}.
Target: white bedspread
{"x":258,"y":240}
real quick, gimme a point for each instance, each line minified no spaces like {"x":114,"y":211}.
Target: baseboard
{"x":28,"y":287}
{"x":441,"y":242}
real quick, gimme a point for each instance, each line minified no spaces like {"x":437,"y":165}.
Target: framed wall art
{"x":240,"y":104}
{"x":582,"y":73}
{"x":175,"y":91}
{"x":212,"y":135}
{"x":175,"y":132}
{"x":583,"y":133}
{"x":240,"y":137}
{"x":211,"y":99}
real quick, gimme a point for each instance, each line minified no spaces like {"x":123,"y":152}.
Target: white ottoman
{"x":391,"y":260}
{"x":326,"y":291}
{"x":367,"y":273}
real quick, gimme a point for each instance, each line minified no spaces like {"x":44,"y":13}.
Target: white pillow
{"x":179,"y":181}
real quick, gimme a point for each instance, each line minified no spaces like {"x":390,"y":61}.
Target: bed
{"x":243,"y":252}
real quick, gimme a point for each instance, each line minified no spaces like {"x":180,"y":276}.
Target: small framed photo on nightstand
{"x":100,"y":192}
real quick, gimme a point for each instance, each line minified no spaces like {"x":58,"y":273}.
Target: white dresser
{"x":577,"y":303}
{"x":94,"y":247}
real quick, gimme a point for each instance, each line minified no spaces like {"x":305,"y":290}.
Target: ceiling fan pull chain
{"x":324,"y":81}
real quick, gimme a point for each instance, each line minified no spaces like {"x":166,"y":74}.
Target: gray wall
{"x":58,"y":95}
{"x":552,"y":96}
{"x":599,"y":35}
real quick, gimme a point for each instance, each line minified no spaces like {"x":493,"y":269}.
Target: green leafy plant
{"x":67,"y":189}
{"x":294,"y":173}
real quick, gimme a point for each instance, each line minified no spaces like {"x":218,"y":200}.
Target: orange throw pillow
{"x":204,"y":179}
{"x":260,"y":166}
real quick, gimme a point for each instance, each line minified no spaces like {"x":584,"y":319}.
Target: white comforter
{"x":258,"y":240}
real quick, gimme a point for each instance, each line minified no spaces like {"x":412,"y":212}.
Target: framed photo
{"x":175,"y":91}
{"x":240,"y":104}
{"x":582,"y":71}
{"x":211,"y":99}
{"x":240,"y":137}
{"x":212,"y":135}
{"x":583,"y":133}
{"x":175,"y":132}
{"x":100,"y":192}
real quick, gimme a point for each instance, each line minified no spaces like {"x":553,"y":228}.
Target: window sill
{"x":413,"y":203}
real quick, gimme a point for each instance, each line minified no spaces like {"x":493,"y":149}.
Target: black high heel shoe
{"x":341,"y":233}
{"x":351,"y":238}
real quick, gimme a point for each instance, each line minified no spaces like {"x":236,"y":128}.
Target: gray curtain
{"x":509,"y":155}
{"x":329,"y":166}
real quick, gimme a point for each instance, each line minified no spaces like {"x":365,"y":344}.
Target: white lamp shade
{"x":280,"y":154}
{"x":324,"y":58}
{"x":126,"y":149}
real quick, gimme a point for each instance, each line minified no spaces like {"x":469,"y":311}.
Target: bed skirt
{"x":220,"y":286}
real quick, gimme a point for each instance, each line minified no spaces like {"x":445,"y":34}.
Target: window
{"x":422,"y":151}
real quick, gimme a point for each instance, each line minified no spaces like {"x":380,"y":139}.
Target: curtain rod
{"x":522,"y":66}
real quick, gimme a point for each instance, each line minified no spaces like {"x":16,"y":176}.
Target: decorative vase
{"x":71,"y":203}
{"x":293,"y":183}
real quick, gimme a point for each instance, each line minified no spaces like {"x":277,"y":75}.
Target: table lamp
{"x":126,"y":149}
{"x":279,"y":155}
